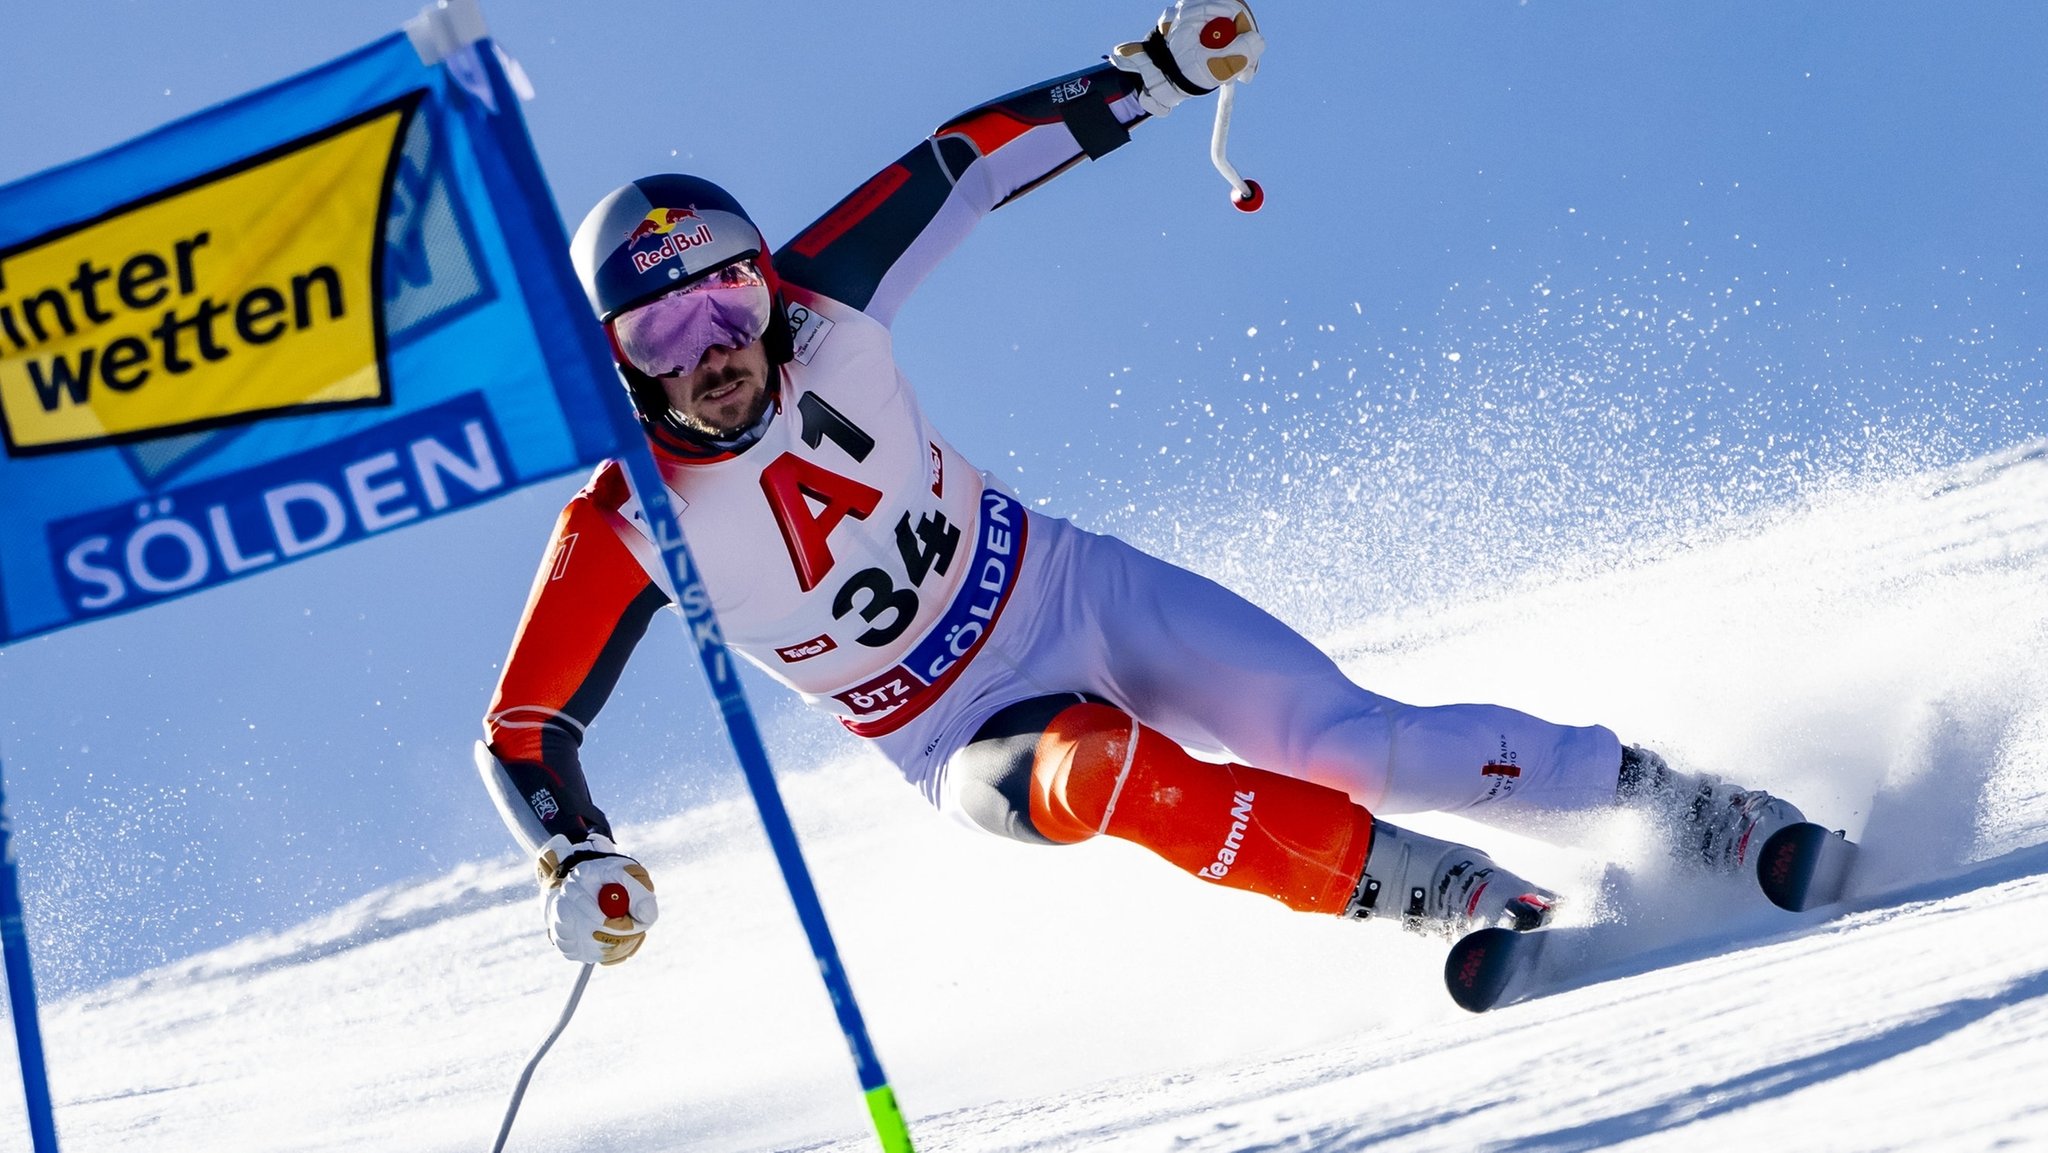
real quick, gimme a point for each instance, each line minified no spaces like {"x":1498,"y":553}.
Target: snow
{"x":1874,"y":654}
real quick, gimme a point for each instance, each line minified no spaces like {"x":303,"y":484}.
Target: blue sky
{"x":1535,"y":280}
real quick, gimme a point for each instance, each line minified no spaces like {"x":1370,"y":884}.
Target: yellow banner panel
{"x":252,"y":291}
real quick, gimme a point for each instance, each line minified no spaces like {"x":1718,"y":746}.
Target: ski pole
{"x":613,"y":900}
{"x":21,"y":997}
{"x":700,"y":625}
{"x":519,"y":1090}
{"x":1246,"y":195}
{"x":558,"y":280}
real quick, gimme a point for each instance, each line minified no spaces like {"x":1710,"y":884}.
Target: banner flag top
{"x":317,"y":312}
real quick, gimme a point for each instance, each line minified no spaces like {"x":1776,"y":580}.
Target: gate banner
{"x":318,"y":312}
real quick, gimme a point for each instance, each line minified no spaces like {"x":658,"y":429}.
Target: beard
{"x":717,"y":424}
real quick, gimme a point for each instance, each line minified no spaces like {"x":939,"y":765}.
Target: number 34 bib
{"x":858,"y":558}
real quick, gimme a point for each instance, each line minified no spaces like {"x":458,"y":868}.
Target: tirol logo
{"x":816,"y":646}
{"x":664,"y":223}
{"x":250,"y":291}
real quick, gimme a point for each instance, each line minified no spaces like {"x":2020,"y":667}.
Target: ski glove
{"x":1199,"y":46}
{"x":597,"y":901}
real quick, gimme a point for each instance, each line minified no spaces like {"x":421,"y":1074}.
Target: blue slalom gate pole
{"x":555,"y":290}
{"x":702,"y":627}
{"x":21,"y":992}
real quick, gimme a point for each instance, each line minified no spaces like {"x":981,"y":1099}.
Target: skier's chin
{"x":725,"y":396}
{"x":728,"y":409}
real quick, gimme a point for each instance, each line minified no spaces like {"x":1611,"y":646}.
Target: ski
{"x":1492,"y":967}
{"x":1804,"y":866}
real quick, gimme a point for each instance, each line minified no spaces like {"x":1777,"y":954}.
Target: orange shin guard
{"x":1097,"y":770}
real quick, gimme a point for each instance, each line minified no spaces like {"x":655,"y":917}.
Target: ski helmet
{"x":658,"y":234}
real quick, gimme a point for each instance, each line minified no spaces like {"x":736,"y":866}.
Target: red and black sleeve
{"x":590,"y":605}
{"x":874,"y":247}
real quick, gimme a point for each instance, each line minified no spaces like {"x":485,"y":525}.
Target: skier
{"x":1031,"y":679}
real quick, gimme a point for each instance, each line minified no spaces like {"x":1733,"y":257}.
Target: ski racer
{"x":1029,"y":678}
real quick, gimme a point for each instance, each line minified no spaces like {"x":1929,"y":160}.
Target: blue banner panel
{"x":329,"y":308}
{"x":187,"y":537}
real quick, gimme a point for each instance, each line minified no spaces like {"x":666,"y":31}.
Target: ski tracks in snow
{"x":1873,"y":656}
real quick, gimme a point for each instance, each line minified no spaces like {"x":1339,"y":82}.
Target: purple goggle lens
{"x":670,"y":334}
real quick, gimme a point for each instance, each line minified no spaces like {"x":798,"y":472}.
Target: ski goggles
{"x":670,"y":334}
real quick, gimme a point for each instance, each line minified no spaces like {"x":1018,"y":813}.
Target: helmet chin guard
{"x":656,"y":235}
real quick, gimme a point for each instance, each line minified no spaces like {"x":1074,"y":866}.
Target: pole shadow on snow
{"x":1787,"y":1077}
{"x":1351,"y":1139}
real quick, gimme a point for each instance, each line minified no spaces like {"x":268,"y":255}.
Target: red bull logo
{"x":668,"y":224}
{"x":661,"y":222}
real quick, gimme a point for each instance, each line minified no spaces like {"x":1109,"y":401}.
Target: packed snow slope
{"x":1875,"y":654}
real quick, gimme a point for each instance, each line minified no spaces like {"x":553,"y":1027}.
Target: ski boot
{"x":1707,"y":821}
{"x":1438,"y":888}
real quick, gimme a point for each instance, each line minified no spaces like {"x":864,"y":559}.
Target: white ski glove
{"x":1199,"y":46}
{"x":597,"y":901}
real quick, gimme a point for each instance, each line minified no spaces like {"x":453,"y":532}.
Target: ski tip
{"x":1804,"y":866}
{"x":1478,"y":968}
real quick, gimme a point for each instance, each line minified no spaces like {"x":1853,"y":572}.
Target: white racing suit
{"x":855,"y":556}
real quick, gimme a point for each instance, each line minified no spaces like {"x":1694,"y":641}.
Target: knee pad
{"x":1084,"y":756}
{"x":1098,"y":771}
